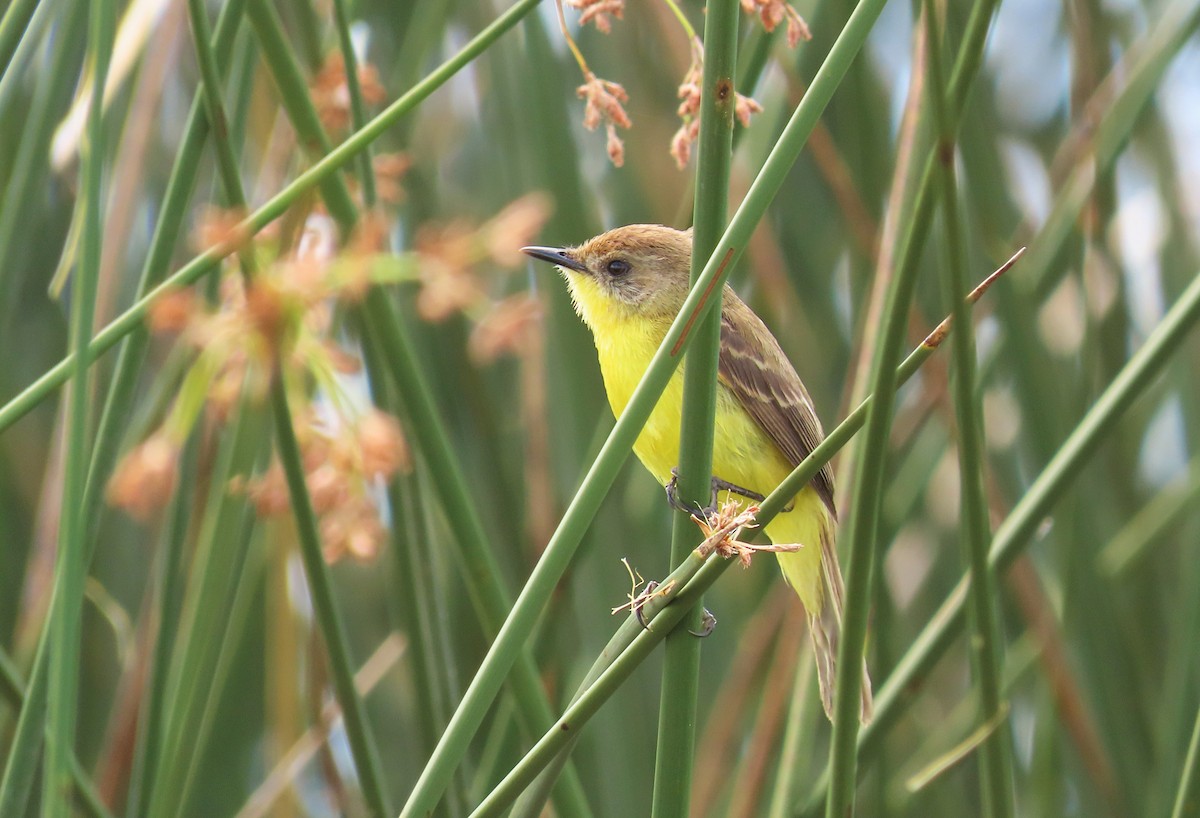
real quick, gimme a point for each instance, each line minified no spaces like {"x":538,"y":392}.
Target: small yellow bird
{"x":628,"y":285}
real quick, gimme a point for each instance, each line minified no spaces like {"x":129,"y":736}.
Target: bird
{"x":627,"y":285}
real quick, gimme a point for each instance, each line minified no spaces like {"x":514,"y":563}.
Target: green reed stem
{"x":66,"y":615}
{"x":320,"y":585}
{"x":986,"y":646}
{"x":673,"y":760}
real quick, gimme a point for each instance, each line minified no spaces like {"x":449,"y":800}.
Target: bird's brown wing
{"x":754,"y":368}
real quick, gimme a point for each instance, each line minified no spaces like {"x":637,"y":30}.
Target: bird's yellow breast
{"x":625,"y":343}
{"x":624,"y":356}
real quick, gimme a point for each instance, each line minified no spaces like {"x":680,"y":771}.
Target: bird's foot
{"x":708,"y":624}
{"x":640,"y":603}
{"x":718,"y":485}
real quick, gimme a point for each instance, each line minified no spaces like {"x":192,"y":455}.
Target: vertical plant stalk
{"x":676,"y":750}
{"x":12,"y":28}
{"x":217,"y":564}
{"x":66,"y":623}
{"x":28,"y":167}
{"x":986,"y":647}
{"x":218,"y":123}
{"x":868,"y":476}
{"x":1187,"y":799}
{"x":180,"y":184}
{"x":358,"y":109}
{"x":861,"y":532}
{"x":170,"y":587}
{"x":320,"y":585}
{"x":25,"y":749}
{"x":362,"y":746}
{"x":863,"y":525}
{"x":382,"y":323}
{"x":296,"y":100}
{"x":801,"y":719}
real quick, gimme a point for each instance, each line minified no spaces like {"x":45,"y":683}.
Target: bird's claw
{"x":718,"y":485}
{"x":673,"y":500}
{"x":708,"y":623}
{"x":640,"y":603}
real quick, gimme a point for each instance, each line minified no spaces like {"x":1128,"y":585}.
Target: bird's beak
{"x":555,"y":255}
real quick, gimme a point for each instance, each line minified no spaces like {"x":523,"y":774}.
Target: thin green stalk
{"x":867,"y":489}
{"x":27,"y":743}
{"x":221,"y":552}
{"x":802,"y":716}
{"x":676,"y":748}
{"x":475,"y":555}
{"x":86,"y":794}
{"x":297,"y":101}
{"x":118,"y":402}
{"x":862,"y":528}
{"x":1187,"y":799}
{"x":362,"y":746}
{"x":218,"y":123}
{"x":27,"y":31}
{"x":603,"y":470}
{"x":66,"y":618}
{"x":986,"y":646}
{"x":12,"y":28}
{"x":436,"y":680}
{"x":1134,"y":540}
{"x":18,"y":775}
{"x":479,"y":562}
{"x":169,"y":589}
{"x":1022,"y":522}
{"x":29,"y":165}
{"x":133,"y":317}
{"x":412,"y":575}
{"x":210,"y":91}
{"x":247,"y":582}
{"x":861,"y":532}
{"x":358,"y":109}
{"x":25,"y":749}
{"x":320,"y":585}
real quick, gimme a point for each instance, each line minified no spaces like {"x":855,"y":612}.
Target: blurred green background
{"x":1078,"y":140}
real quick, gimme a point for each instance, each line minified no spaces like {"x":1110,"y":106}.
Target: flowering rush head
{"x":278,"y":322}
{"x":604,"y":100}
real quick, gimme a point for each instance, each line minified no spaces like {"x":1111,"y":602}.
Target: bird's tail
{"x":825,"y":627}
{"x":814,"y":574}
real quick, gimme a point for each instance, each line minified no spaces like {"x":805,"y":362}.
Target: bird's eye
{"x":617,"y":267}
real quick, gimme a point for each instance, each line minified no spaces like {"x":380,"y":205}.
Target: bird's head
{"x":637,"y":269}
